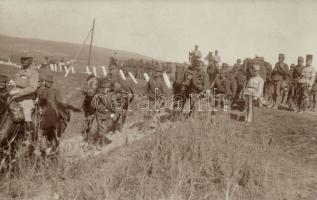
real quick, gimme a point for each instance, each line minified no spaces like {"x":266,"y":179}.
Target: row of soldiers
{"x":293,"y":88}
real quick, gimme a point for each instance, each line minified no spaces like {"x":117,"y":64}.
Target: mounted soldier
{"x":195,"y":56}
{"x":26,"y":84}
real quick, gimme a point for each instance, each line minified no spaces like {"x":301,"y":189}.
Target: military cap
{"x":281,"y":55}
{"x":300,"y":58}
{"x":309,"y":57}
{"x":239,"y":60}
{"x":49,"y":78}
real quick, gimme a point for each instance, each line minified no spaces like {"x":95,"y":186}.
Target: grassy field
{"x":275,"y":158}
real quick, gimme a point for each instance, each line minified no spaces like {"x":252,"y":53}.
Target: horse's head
{"x":42,"y":97}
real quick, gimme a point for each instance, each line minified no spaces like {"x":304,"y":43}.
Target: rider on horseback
{"x":26,"y":83}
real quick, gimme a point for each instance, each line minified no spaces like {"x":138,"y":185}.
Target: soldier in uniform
{"x":154,"y":90}
{"x":195,"y":56}
{"x":199,"y":84}
{"x":295,"y":76}
{"x":306,"y":83}
{"x":26,"y":84}
{"x":313,"y":95}
{"x":88,"y":91}
{"x":49,"y":115}
{"x":280,"y":75}
{"x":237,"y":66}
{"x":122,"y":89}
{"x":254,"y":90}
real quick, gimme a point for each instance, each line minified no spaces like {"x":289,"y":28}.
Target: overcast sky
{"x":168,"y":30}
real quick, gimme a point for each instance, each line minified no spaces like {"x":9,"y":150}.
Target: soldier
{"x":295,"y":76}
{"x":280,"y":76}
{"x":106,"y":113}
{"x":241,"y":78}
{"x":306,"y":82}
{"x":89,"y":90}
{"x":237,"y":66}
{"x":195,"y":56}
{"x":217,"y":59}
{"x":254,"y":90}
{"x":26,"y":82}
{"x":122,"y":89}
{"x":154,"y":90}
{"x":199,"y":84}
{"x":49,"y":114}
{"x":313,"y":95}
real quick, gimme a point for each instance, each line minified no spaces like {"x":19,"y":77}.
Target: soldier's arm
{"x":313,"y":78}
{"x":33,"y":83}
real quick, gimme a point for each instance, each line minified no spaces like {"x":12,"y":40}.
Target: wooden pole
{"x":91,"y":39}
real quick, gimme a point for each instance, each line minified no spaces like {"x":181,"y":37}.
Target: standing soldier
{"x":280,"y":76}
{"x":313,"y":95}
{"x":26,"y":82}
{"x":254,"y":90}
{"x":199,"y":84}
{"x":296,"y":75}
{"x":154,"y":90}
{"x":89,"y":90}
{"x":306,"y":82}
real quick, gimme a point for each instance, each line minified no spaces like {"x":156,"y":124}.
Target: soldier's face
{"x":114,"y":71}
{"x":281,"y":59}
{"x":26,"y":63}
{"x":48,"y":84}
{"x":309,"y":62}
{"x":300,"y":62}
{"x":157,"y":74}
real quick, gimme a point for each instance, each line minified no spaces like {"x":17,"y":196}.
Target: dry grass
{"x":193,"y":160}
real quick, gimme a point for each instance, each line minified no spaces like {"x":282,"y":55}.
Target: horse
{"x":50,"y":119}
{"x":12,"y":132}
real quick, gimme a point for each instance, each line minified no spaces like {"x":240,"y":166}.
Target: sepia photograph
{"x":158,"y":100}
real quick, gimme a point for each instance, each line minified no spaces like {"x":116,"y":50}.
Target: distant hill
{"x":13,"y":47}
